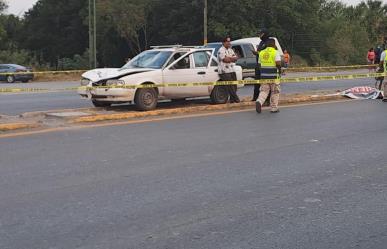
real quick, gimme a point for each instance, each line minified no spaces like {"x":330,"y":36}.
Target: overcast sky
{"x":18,"y":7}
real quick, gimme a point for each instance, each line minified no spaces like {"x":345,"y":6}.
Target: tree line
{"x":54,"y":33}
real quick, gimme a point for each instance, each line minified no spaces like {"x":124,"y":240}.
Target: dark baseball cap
{"x":263,"y":31}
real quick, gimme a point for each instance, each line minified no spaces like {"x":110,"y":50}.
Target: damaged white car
{"x":160,"y":65}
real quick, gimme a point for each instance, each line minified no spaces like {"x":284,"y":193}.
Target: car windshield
{"x":149,"y":59}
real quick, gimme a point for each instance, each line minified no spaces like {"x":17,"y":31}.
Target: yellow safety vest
{"x":268,"y":64}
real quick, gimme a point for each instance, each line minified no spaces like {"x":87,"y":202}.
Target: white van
{"x":255,"y":41}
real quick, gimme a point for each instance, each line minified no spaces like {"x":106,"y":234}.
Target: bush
{"x":21,"y":57}
{"x":77,"y":62}
{"x":298,"y":61}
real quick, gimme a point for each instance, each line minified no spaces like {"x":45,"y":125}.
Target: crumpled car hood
{"x":99,"y":74}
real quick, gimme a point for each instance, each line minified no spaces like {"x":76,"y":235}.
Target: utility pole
{"x":205,"y":22}
{"x":95,"y":35}
{"x":92,"y":34}
{"x":90,"y":38}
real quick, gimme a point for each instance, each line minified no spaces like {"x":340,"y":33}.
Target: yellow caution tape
{"x":20,"y":90}
{"x":332,"y":67}
{"x":320,"y":68}
{"x":249,"y":82}
{"x":197,"y":84}
{"x":46,"y":72}
{"x":17,"y":90}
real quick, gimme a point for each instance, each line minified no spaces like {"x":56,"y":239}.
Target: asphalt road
{"x":14,"y":104}
{"x":308,"y":177}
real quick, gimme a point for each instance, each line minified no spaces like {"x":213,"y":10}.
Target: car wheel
{"x":146,"y":99}
{"x":219,"y":95}
{"x":97,"y":103}
{"x":10,"y":79}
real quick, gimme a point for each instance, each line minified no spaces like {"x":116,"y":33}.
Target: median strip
{"x":286,"y":100}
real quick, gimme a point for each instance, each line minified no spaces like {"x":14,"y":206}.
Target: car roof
{"x":256,"y":40}
{"x":181,"y":49}
{"x":12,"y":65}
{"x":232,"y":43}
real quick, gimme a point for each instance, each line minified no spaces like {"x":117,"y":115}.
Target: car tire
{"x":219,"y":95}
{"x":10,"y":79}
{"x":97,"y":103}
{"x":146,"y":99}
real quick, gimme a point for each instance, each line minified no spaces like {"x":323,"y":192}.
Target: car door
{"x":3,"y":69}
{"x":191,"y":68}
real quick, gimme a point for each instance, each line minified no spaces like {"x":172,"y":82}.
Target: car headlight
{"x":85,"y":82}
{"x":115,"y":83}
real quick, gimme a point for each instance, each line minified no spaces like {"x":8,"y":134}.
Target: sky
{"x":18,"y":7}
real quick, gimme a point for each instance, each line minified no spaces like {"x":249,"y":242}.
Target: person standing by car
{"x":270,"y":64}
{"x":287,"y":59}
{"x":264,"y":35}
{"x":371,"y":59}
{"x":378,"y":53}
{"x":226,"y":70}
{"x":383,"y":64}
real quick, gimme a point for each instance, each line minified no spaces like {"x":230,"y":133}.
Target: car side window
{"x":175,"y":57}
{"x":238,"y":51}
{"x":184,"y":63}
{"x":248,"y":48}
{"x":201,"y":58}
{"x":214,"y":63}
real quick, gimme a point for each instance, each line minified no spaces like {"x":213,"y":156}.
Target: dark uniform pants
{"x":257,"y":88}
{"x":231,"y":89}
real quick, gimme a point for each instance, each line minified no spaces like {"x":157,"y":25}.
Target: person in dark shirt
{"x":264,"y":35}
{"x":378,"y":53}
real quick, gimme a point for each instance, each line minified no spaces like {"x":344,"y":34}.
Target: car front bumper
{"x":108,"y":94}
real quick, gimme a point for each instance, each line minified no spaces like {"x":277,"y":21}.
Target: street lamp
{"x":205,"y":22}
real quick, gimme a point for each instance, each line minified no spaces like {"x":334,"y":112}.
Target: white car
{"x":157,"y":66}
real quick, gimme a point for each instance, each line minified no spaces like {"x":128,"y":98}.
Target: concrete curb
{"x":17,"y":126}
{"x":245,"y":104}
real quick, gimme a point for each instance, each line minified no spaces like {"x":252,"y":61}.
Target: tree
{"x":129,"y":19}
{"x":55,"y":29}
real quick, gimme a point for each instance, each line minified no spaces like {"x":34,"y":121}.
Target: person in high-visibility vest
{"x":383,"y":64}
{"x":264,"y":35}
{"x":270,"y":67}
